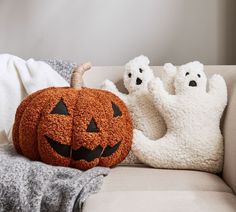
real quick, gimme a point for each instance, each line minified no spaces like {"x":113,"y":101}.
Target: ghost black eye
{"x":187,"y":73}
{"x":199,"y":75}
{"x":129,"y":75}
{"x":141,"y":70}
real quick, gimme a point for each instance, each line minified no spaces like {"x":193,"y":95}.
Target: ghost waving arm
{"x":168,"y":77}
{"x":218,"y":90}
{"x":110,"y":86}
{"x":162,"y":99}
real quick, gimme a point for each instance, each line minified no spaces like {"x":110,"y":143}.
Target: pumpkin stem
{"x":77,"y":75}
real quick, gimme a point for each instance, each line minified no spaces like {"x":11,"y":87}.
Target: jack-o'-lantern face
{"x":78,"y":128}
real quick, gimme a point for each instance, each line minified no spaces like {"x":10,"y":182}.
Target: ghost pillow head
{"x":137,"y":74}
{"x":191,"y":78}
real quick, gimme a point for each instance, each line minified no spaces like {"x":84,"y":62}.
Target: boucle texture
{"x":144,"y":114}
{"x":67,"y":127}
{"x":193,"y":139}
{"x":34,"y":186}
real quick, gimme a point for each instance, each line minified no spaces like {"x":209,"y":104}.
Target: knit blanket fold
{"x":34,"y":186}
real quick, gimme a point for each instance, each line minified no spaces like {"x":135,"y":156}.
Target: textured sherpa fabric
{"x":144,"y":114}
{"x":193,"y":139}
{"x":34,"y":186}
{"x":69,"y":127}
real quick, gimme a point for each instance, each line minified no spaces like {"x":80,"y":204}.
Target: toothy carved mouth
{"x":108,"y":151}
{"x":82,"y":153}
{"x":192,"y":83}
{"x":138,"y":81}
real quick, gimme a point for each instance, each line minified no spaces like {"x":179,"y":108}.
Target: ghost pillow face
{"x":191,"y":78}
{"x":137,"y":74}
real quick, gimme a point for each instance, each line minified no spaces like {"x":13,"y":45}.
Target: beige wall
{"x":110,"y":32}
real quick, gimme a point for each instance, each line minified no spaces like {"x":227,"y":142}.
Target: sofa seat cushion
{"x":147,"y":189}
{"x":163,"y":201}
{"x":124,"y":178}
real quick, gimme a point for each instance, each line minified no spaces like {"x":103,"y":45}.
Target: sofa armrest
{"x":229,"y":131}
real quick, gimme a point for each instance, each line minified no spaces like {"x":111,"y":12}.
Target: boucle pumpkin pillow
{"x":73,"y":126}
{"x":144,"y":114}
{"x":193,"y":139}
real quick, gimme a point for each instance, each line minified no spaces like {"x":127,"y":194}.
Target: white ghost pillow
{"x":139,"y":101}
{"x":193,"y":139}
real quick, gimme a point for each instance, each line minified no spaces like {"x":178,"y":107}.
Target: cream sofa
{"x":141,"y":188}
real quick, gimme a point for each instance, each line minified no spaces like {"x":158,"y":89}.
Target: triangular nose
{"x":92,"y":127}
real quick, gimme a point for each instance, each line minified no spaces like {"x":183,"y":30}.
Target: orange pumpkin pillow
{"x":73,"y":126}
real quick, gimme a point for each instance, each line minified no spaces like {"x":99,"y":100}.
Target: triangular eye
{"x":60,"y":108}
{"x":92,"y":127}
{"x":116,"y":110}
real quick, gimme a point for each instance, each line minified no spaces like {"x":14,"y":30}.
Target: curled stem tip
{"x":77,"y":75}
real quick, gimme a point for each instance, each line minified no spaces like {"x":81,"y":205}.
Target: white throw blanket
{"x":19,"y":78}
